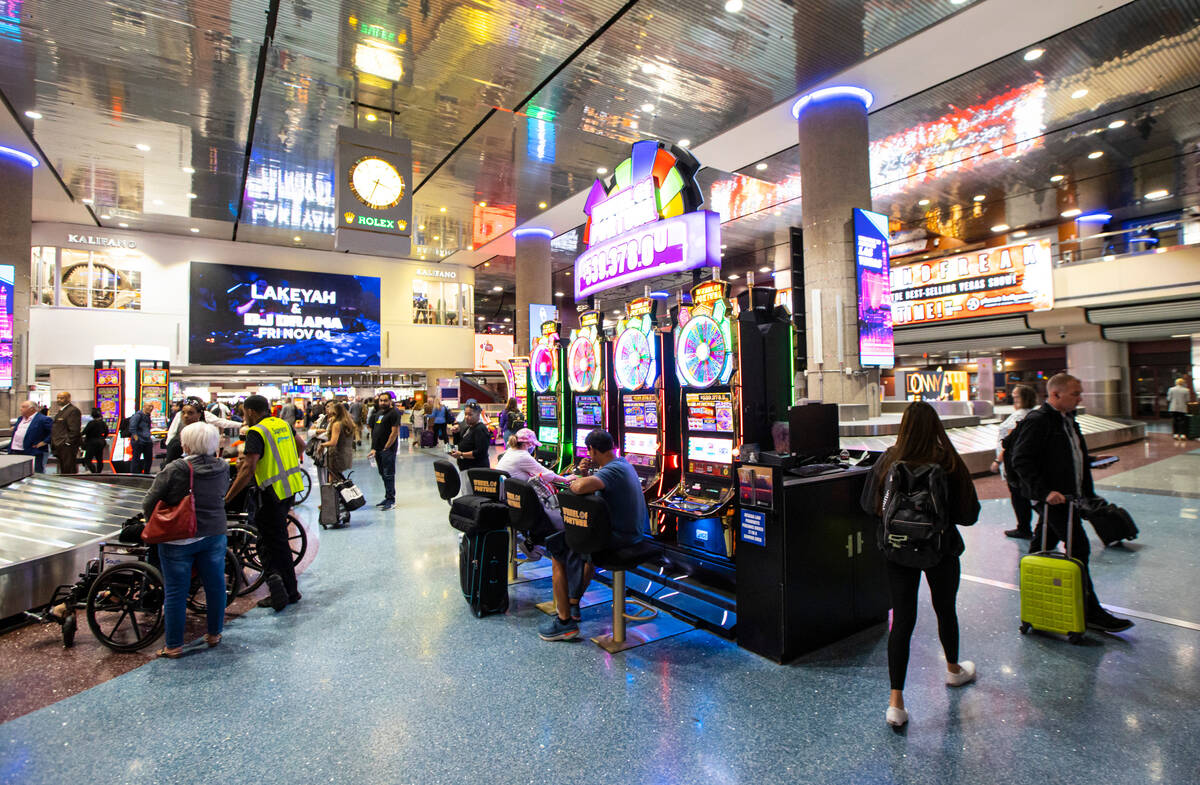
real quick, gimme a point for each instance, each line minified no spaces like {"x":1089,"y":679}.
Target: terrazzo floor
{"x":381,"y":675}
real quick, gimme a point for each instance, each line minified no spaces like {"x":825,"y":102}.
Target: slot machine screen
{"x":709,"y":450}
{"x":581,"y":435}
{"x":548,"y":434}
{"x":710,"y":412}
{"x":547,"y":406}
{"x":641,"y":444}
{"x":641,"y":411}
{"x":589,"y":411}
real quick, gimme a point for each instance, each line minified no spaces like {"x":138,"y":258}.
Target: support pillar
{"x":835,"y":179}
{"x":16,"y":220}
{"x":1103,"y":367}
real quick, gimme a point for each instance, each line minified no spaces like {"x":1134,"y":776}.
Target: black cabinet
{"x":814,"y":575}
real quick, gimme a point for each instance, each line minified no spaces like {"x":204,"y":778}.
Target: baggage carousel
{"x":50,"y":526}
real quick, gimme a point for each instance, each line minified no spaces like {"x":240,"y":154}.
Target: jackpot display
{"x":988,"y":282}
{"x":152,"y":388}
{"x":876,"y":342}
{"x":262,"y":316}
{"x":109,"y":389}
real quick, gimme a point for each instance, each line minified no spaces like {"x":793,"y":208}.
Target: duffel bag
{"x":471,"y":514}
{"x":349,"y":493}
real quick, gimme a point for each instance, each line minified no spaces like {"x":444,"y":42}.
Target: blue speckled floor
{"x":381,"y":675}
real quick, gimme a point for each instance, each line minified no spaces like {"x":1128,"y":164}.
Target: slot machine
{"x":647,"y":415}
{"x":545,"y":413}
{"x":152,"y":378}
{"x":516,"y":374}
{"x":705,"y":363}
{"x":589,"y":362}
{"x":109,"y":391}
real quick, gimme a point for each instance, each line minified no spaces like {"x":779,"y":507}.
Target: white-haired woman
{"x":208,"y":477}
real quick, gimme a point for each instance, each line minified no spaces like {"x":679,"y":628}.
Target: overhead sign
{"x":102,"y":242}
{"x":644,"y":221}
{"x":374,"y":193}
{"x":876,"y":343}
{"x":262,"y":316}
{"x":988,"y":282}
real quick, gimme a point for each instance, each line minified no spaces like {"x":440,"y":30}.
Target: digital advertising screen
{"x":704,"y":448}
{"x":989,"y":282}
{"x":8,"y":275}
{"x":641,"y":410}
{"x":589,"y":411}
{"x":547,"y":407}
{"x":641,"y":444}
{"x":876,"y":343}
{"x":548,"y":434}
{"x":712,"y":412}
{"x":491,"y":349}
{"x":261,"y":316}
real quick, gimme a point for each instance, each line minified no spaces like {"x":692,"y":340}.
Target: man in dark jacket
{"x":65,"y":435}
{"x":31,"y":435}
{"x":1051,"y":461}
{"x":141,"y":439}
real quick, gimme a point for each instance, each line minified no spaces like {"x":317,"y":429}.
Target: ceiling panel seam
{"x":259,"y":77}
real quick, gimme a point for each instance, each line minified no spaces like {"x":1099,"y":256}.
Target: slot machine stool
{"x":526,"y":518}
{"x":588,"y":529}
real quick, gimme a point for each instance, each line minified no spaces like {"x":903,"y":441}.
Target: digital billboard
{"x":490,"y":349}
{"x":262,"y":316}
{"x":989,"y":282}
{"x":876,"y":343}
{"x":8,"y":275}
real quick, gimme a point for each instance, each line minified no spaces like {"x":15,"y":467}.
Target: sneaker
{"x":386,"y":506}
{"x":555,"y":629}
{"x":1106,"y":622}
{"x":964,"y":676}
{"x":278,"y":598}
{"x":897,"y":718}
{"x":1018,"y":534}
{"x":383,"y":503}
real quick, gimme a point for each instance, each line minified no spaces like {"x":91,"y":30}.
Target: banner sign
{"x":264,"y":316}
{"x":988,"y":282}
{"x":876,"y":345}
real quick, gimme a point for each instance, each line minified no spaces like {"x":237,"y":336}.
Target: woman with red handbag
{"x":185,"y":516}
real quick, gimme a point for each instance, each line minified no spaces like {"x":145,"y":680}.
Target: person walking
{"x":441,"y":418}
{"x":922,"y":440}
{"x":31,"y":435}
{"x":1024,"y":399}
{"x":65,"y":435}
{"x":511,"y":419}
{"x":417,"y":418}
{"x":206,"y":477}
{"x":141,"y":440}
{"x":1177,"y":404}
{"x":95,"y":440}
{"x":1051,"y":461}
{"x":271,"y":462}
{"x":383,"y":447}
{"x":357,"y":413}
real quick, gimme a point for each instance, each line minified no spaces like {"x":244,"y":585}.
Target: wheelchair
{"x":122,"y":593}
{"x":243,"y":540}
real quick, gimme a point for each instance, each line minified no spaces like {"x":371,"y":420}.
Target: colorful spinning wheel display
{"x":583,"y":364}
{"x":702,"y":352}
{"x":633,"y":359}
{"x":542,"y":368}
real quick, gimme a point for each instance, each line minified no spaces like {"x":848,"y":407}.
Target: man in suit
{"x":31,"y":435}
{"x":65,"y":435}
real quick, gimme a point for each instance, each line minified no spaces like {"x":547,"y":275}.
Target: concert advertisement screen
{"x":261,"y":316}
{"x":876,"y":343}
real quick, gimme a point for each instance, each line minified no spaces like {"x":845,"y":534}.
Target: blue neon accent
{"x":1097,"y":217}
{"x":660,"y":295}
{"x":533,"y":231}
{"x":825,"y":93}
{"x":643,"y":155}
{"x":20,"y":156}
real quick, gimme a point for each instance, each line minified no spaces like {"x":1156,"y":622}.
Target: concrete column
{"x":533,"y":284}
{"x":1103,"y":367}
{"x":77,"y":380}
{"x":835,"y":179}
{"x":16,"y":219}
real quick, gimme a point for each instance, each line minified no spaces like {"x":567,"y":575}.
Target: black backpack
{"x":915,"y":514}
{"x":1007,"y":444}
{"x":123,"y":427}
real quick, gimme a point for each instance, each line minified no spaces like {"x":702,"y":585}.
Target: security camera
{"x":1062,"y":333}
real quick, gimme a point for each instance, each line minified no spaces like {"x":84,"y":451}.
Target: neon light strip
{"x":533,"y":231}
{"x":827,"y":93}
{"x":20,"y":156}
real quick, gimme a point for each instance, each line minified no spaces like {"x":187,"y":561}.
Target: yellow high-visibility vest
{"x":279,"y":466}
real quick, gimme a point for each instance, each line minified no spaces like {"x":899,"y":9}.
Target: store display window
{"x":85,"y":279}
{"x":439,"y":302}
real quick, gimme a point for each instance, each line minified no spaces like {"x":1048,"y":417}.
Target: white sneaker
{"x":964,"y":676}
{"x":897,"y":718}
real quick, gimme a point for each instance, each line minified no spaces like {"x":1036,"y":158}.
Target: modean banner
{"x":987,"y":282}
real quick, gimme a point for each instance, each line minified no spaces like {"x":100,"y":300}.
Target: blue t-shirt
{"x":626,"y":503}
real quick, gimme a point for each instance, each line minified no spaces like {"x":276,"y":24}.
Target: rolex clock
{"x":374,"y":198}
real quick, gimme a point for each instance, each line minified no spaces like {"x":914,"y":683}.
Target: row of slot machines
{"x":681,"y":393}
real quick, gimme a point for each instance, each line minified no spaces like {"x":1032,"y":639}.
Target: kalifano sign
{"x":645,"y":221}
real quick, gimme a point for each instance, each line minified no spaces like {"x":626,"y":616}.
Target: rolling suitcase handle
{"x":1070,"y":529}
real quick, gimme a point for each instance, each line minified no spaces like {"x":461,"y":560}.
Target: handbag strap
{"x":191,"y":476}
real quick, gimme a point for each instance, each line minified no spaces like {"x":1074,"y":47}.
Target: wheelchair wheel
{"x":125,"y":606}
{"x":244,"y":542}
{"x":198,"y":601}
{"x":297,"y":538}
{"x":303,"y":495}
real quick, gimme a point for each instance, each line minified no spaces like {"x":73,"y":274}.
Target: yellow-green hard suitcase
{"x":1052,"y":589}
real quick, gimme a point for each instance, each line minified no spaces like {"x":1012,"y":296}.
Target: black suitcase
{"x":483,"y":571}
{"x":473,"y":514}
{"x":428,"y":439}
{"x":1112,"y":523}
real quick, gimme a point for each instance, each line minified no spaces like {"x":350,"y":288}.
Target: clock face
{"x":376,"y":182}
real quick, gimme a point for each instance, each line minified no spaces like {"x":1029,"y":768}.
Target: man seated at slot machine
{"x":617,"y":482}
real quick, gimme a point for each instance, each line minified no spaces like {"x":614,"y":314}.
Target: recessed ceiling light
{"x":1074,"y":211}
{"x":421,"y":227}
{"x":145,"y":148}
{"x":1096,"y":154}
{"x":487,"y":264}
{"x":1020,"y":233}
{"x":371,"y":118}
{"x":33,"y":115}
{"x":158,"y":202}
{"x":684,"y":142}
{"x":601,"y":170}
{"x":105,"y":217}
{"x":192,"y":196}
{"x":760,"y":166}
{"x":1001,"y":228}
{"x":87,"y":201}
{"x":437,"y":237}
{"x":764,"y":269}
{"x":647,"y":107}
{"x":1161,"y":193}
{"x":479,"y":318}
{"x":559,"y":294}
{"x":188,"y":170}
{"x":194,"y":230}
{"x":1033,"y":54}
{"x":649,"y":68}
{"x":541,"y":205}
{"x":1080,"y":93}
{"x":497,"y":288}
{"x":483,"y":204}
{"x":568,"y":273}
{"x":442,"y":209}
{"x":123,"y":225}
{"x":979,"y":197}
{"x":507,"y":320}
{"x":733,"y":276}
{"x":1058,"y":178}
{"x":296,"y":239}
{"x":733,"y":6}
{"x":1115,"y":124}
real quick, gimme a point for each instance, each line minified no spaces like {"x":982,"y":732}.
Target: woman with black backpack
{"x":921,"y":491}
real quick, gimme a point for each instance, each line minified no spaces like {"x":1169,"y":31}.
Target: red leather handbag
{"x":173,"y":521}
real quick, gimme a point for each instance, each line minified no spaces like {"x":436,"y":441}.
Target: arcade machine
{"x":647,"y":420}
{"x":591,"y":396}
{"x":545,"y":412}
{"x":152,"y":377}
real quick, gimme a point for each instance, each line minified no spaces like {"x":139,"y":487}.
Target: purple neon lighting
{"x":20,"y":156}
{"x":533,"y":231}
{"x":825,"y":93}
